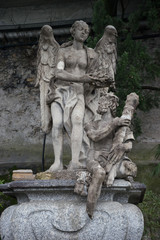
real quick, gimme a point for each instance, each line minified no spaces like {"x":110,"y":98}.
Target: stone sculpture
{"x":68,"y":75}
{"x":111,"y":139}
{"x":75,"y":96}
{"x":74,"y":91}
{"x":49,"y":210}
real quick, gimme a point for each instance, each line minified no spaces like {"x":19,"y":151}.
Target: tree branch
{"x":145,"y":88}
{"x":151,"y":88}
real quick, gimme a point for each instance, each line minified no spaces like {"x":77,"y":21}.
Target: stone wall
{"x":20,"y":136}
{"x":19,"y":110}
{"x":150,"y":120}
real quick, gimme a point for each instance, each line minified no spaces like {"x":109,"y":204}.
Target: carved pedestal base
{"x":50,"y":210}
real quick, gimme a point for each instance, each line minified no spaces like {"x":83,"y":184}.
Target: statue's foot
{"x":55,"y":167}
{"x":79,"y":188}
{"x":90,"y":209}
{"x":108,"y":167}
{"x":75,"y":165}
{"x":109,"y":182}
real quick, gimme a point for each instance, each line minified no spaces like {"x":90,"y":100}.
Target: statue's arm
{"x":63,"y":75}
{"x":69,"y":77}
{"x":128,"y":146}
{"x":125,"y":147}
{"x":103,"y":131}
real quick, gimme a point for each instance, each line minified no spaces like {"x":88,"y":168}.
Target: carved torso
{"x":75,"y":60}
{"x":104,"y":144}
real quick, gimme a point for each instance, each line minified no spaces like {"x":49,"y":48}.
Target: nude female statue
{"x":69,"y":103}
{"x":74,"y":65}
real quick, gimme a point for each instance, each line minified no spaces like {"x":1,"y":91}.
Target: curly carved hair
{"x":106,"y":101}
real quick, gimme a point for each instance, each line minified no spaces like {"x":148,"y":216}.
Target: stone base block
{"x":49,"y":210}
{"x":69,"y":221}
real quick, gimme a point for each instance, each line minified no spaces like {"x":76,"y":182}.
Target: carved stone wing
{"x":105,"y":66}
{"x":46,"y":64}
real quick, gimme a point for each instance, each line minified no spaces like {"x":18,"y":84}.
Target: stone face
{"x":53,"y":211}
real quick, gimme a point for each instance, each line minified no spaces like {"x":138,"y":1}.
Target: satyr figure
{"x":111,"y":140}
{"x":68,"y":76}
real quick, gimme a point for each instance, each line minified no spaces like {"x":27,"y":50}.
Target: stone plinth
{"x":49,"y":209}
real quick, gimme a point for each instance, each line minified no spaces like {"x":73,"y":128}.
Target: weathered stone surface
{"x":61,"y":174}
{"x":121,"y":191}
{"x":135,"y":220}
{"x":26,"y":174}
{"x":53,"y":211}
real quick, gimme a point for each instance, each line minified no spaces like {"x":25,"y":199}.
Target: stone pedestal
{"x":49,"y":209}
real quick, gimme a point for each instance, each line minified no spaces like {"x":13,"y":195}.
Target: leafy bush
{"x":151,"y":212}
{"x":135,"y":65}
{"x":6,"y":201}
{"x":1,"y":205}
{"x":156,"y":171}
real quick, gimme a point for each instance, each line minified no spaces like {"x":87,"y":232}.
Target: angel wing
{"x":105,"y":67}
{"x":46,"y":64}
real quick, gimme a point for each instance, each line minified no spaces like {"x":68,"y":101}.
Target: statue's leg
{"x":98,"y":176}
{"x":45,"y":109}
{"x":57,"y":136}
{"x":112,"y":175}
{"x":77,"y":134}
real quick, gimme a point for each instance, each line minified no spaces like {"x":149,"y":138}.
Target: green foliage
{"x":100,"y":14}
{"x":156,"y":171}
{"x":6,"y":201}
{"x":133,"y":68}
{"x":157,"y":152}
{"x":151,"y":212}
{"x":1,"y":205}
{"x":148,"y":12}
{"x":135,"y":65}
{"x":136,"y":126}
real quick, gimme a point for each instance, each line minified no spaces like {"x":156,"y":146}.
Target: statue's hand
{"x":116,"y":153}
{"x":36,"y":84}
{"x":86,"y":79}
{"x":101,"y":82}
{"x":121,"y":122}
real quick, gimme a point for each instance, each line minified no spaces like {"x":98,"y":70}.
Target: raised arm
{"x":100,"y":133}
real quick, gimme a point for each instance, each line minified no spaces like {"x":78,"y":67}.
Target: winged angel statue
{"x":70,"y":77}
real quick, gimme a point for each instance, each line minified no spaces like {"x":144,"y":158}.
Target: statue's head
{"x":46,"y":35}
{"x":80,"y":30}
{"x":111,"y":32}
{"x":47,"y":31}
{"x":107,"y":101}
{"x":128,"y":168}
